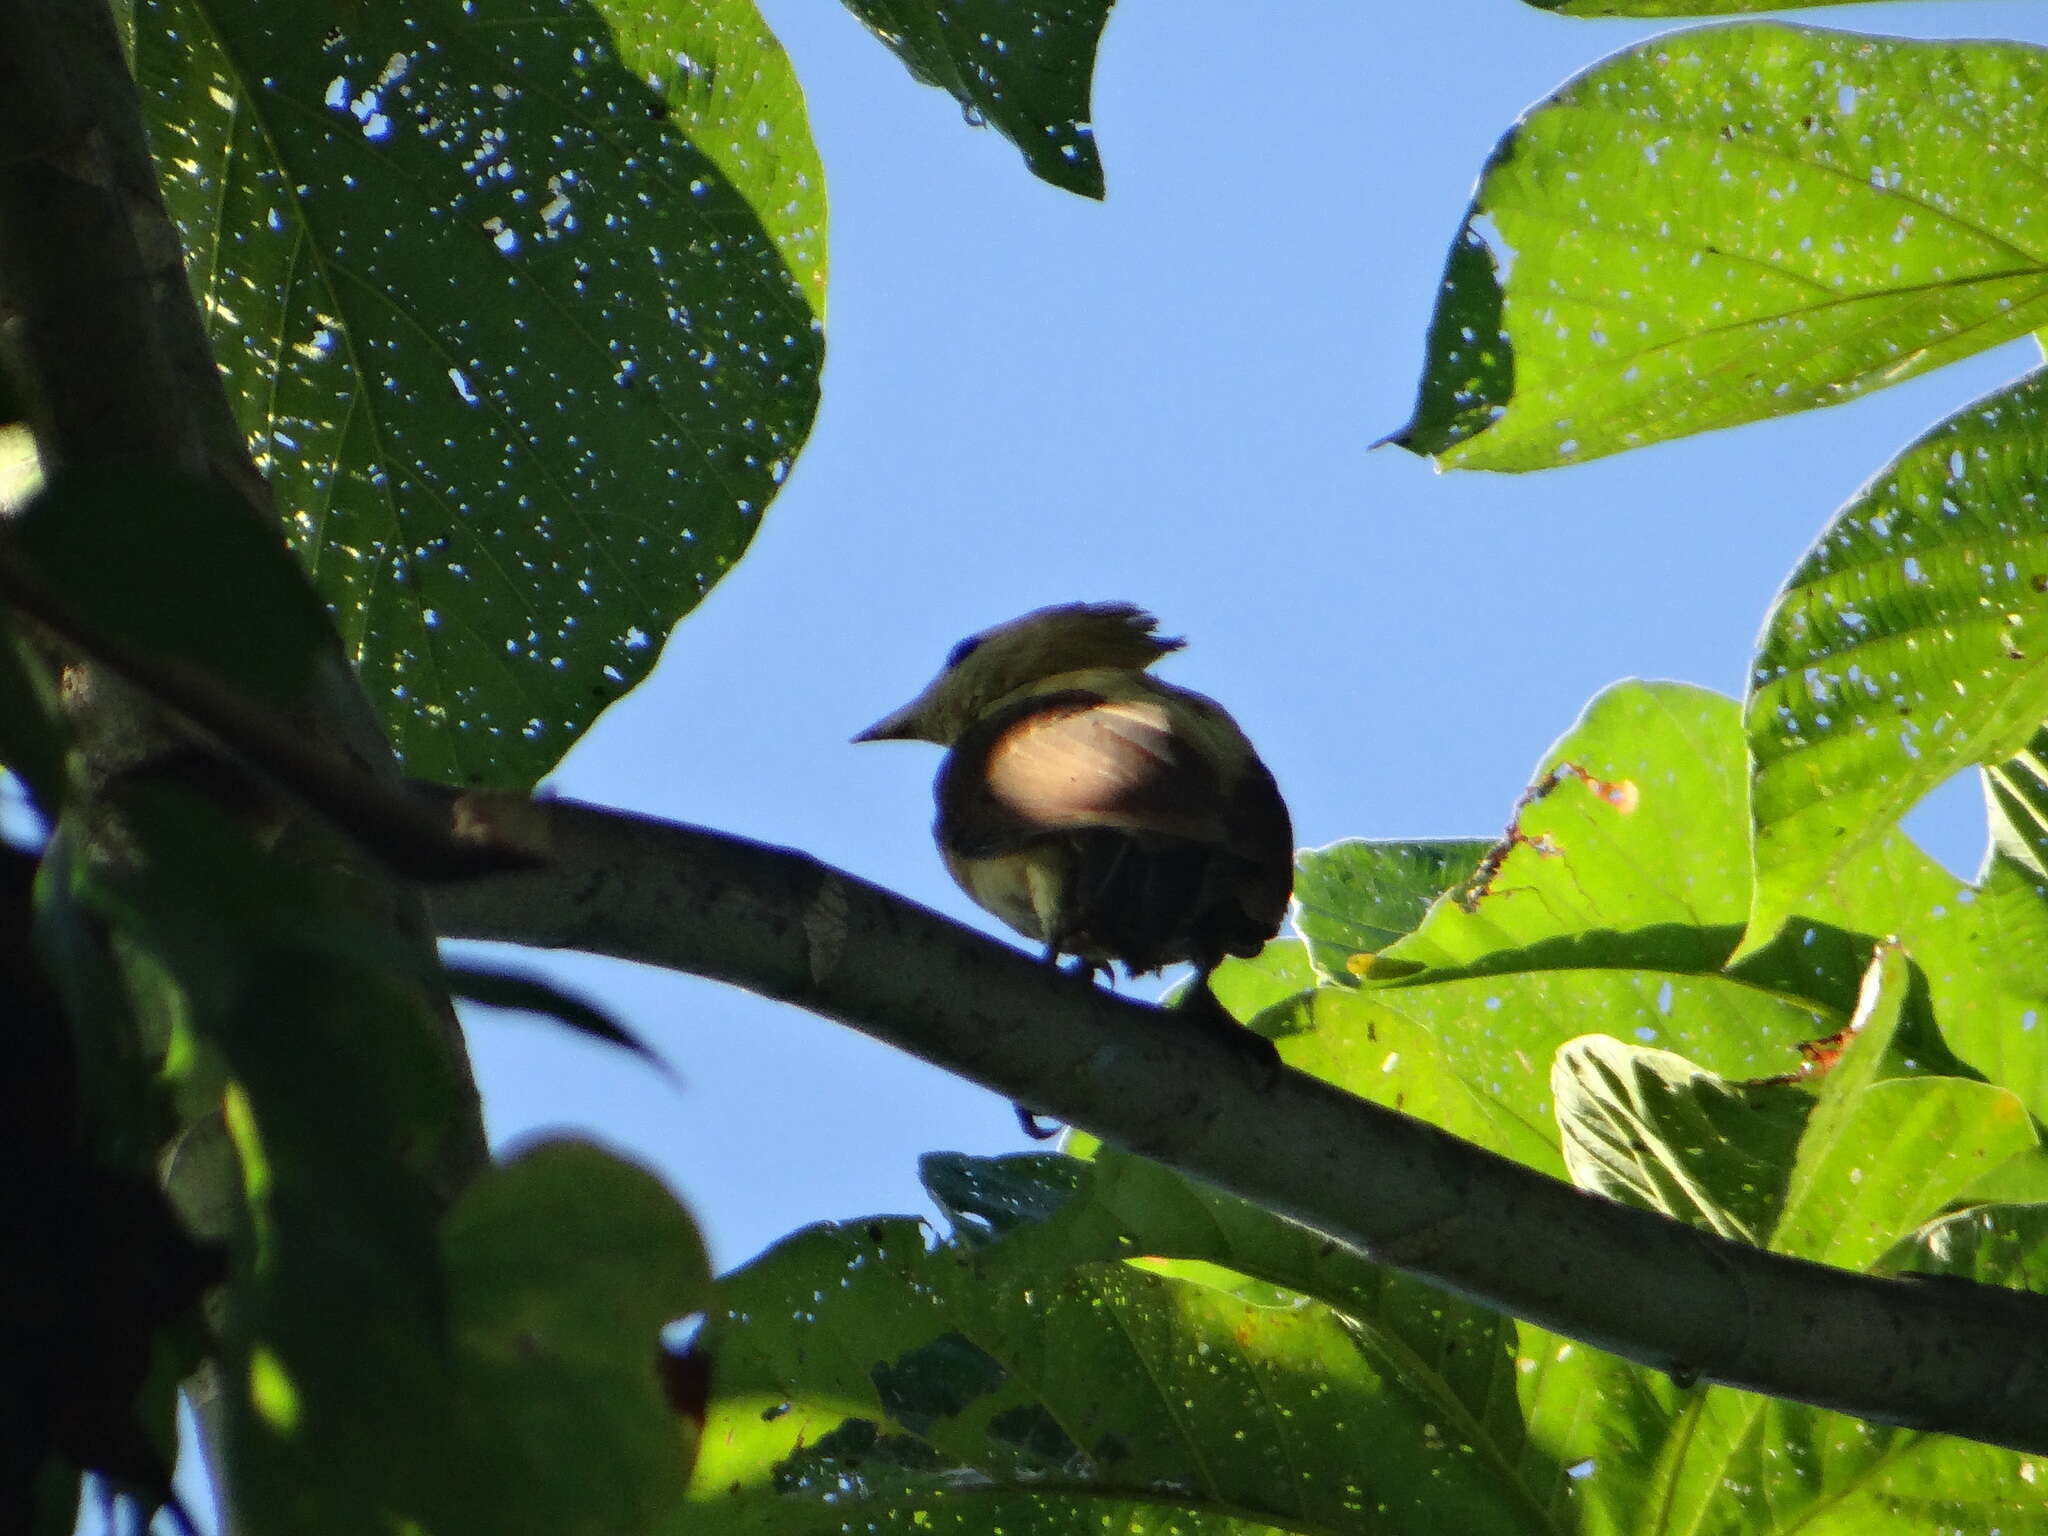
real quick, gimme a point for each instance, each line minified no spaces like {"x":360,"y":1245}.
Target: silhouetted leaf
{"x":1024,"y":67}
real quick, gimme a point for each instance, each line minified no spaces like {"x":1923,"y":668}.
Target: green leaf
{"x":1609,"y":909}
{"x":1878,"y":1158}
{"x":1903,"y":648}
{"x":1877,"y":1163}
{"x":1747,"y":1463}
{"x":1473,"y":1054}
{"x":564,"y":1265}
{"x":730,"y":91}
{"x":1650,"y":1129}
{"x":1872,"y":1031}
{"x":2016,"y":795}
{"x":1903,"y":1152}
{"x":1991,"y":1244}
{"x":1023,"y":69}
{"x":1039,"y":1386}
{"x":1471,"y":372}
{"x":1633,"y":827}
{"x":519,"y":355}
{"x":1984,"y":953}
{"x":536,"y":994}
{"x":1247,"y":988}
{"x":1354,"y":898}
{"x":1735,"y":223}
{"x":333,"y":1346}
{"x":1627,"y":864}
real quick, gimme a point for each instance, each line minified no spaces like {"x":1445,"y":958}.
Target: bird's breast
{"x":1012,"y":886}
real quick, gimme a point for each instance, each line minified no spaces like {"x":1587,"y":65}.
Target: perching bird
{"x":1093,"y":808}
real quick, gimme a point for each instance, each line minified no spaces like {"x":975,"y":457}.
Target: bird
{"x":1099,"y":811}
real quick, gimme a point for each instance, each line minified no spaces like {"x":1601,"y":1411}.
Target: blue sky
{"x":1168,"y":397}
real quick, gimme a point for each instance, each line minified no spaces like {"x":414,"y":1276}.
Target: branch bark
{"x":1954,"y":1357}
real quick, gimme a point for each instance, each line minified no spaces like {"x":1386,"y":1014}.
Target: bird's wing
{"x":1071,"y":761}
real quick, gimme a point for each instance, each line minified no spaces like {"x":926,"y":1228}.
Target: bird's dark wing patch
{"x":1262,"y":836}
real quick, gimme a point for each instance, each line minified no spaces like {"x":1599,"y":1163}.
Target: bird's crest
{"x":1068,"y":637}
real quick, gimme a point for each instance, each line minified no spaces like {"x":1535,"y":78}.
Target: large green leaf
{"x":1610,"y":908}
{"x":1473,"y":1054}
{"x":1627,"y":864}
{"x":1878,"y":1157}
{"x":524,"y":346}
{"x":1740,"y":1463}
{"x":1878,"y":1161}
{"x":1356,"y":897}
{"x":865,"y":1380}
{"x":1903,"y":648}
{"x":1734,"y":223}
{"x":1023,"y":68}
{"x":1248,"y":988}
{"x":564,"y":1265}
{"x":1649,"y":1128}
{"x":1632,"y":826}
{"x":1905,"y":1151}
{"x":1874,"y":1161}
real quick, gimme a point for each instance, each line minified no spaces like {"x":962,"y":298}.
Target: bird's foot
{"x":1087,"y":970}
{"x":1198,"y":1006}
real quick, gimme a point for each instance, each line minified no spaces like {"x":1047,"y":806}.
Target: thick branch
{"x":100,"y":334}
{"x":1965,"y":1359}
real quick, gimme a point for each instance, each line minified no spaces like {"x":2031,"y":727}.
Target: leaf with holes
{"x":1734,"y":223}
{"x":1024,"y":69}
{"x":1628,"y":863}
{"x":1911,"y":642}
{"x":1651,"y":1129}
{"x":524,"y":346}
{"x":1354,"y":898}
{"x":862,"y":1376}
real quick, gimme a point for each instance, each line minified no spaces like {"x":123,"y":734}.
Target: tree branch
{"x":1950,"y":1356}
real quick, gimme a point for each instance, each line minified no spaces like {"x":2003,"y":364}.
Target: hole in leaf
{"x":1948,"y":824}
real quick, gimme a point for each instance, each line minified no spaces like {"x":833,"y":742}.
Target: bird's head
{"x":986,"y":668}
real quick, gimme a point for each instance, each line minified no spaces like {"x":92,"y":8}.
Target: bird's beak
{"x":899,"y":725}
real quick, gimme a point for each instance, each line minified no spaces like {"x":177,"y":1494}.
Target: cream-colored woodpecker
{"x":1095,"y":809}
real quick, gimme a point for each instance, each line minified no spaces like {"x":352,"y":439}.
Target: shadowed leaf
{"x":1022,"y":68}
{"x":519,"y":355}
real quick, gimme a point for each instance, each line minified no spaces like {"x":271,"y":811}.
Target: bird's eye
{"x":963,"y":650}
